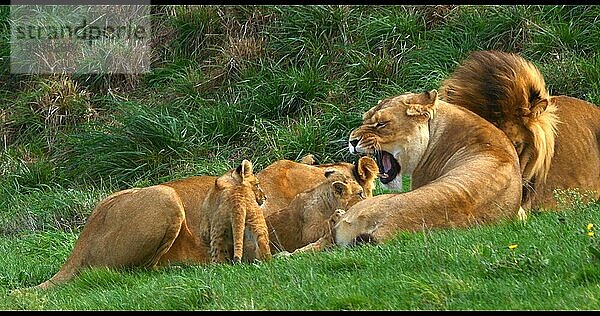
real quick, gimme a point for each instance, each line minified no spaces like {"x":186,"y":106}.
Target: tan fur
{"x":144,"y":227}
{"x":309,"y":159}
{"x":231,"y":209}
{"x":305,"y":219}
{"x":284,"y":179}
{"x":556,"y":137}
{"x":154,"y":213}
{"x":327,"y":240}
{"x":174,"y":209}
{"x":464,"y":171}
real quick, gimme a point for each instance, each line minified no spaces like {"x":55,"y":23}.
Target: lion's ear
{"x":426,"y":105}
{"x":244,"y":170}
{"x":309,"y":159}
{"x":339,"y":188}
{"x":536,"y":109}
{"x":432,"y":95}
{"x":329,"y":172}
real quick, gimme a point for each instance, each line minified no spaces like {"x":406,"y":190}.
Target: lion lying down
{"x":464,"y":171}
{"x":139,"y":227}
{"x":165,"y":223}
{"x":557,"y":137}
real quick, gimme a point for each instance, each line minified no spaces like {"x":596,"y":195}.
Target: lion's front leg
{"x":522,"y":214}
{"x":326,"y":241}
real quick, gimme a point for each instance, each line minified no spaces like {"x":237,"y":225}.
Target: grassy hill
{"x":271,"y":82}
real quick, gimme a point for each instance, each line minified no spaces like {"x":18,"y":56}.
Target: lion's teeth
{"x":383,"y":175}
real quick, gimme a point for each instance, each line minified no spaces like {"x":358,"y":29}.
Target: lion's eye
{"x":380,"y":124}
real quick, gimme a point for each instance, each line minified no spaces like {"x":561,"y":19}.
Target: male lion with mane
{"x":557,"y":137}
{"x":463,"y":170}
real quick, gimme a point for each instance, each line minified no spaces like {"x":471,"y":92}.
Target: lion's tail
{"x":501,"y":86}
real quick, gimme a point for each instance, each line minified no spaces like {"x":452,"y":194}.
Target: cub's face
{"x":242,"y":179}
{"x":349,"y":192}
{"x":344,"y":192}
{"x":259,"y":194}
{"x":395,"y":132}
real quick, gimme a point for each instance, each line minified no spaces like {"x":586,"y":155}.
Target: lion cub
{"x":308,"y":216}
{"x":231,"y":210}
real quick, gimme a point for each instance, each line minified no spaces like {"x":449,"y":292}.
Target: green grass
{"x":454,"y":269}
{"x":277,"y":82}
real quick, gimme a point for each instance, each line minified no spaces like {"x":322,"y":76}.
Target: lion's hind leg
{"x":133,"y":227}
{"x":165,"y":244}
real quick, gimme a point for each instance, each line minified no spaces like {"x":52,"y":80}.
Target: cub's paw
{"x":335,"y":217}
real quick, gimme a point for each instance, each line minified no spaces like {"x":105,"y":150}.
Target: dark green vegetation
{"x":272,"y":82}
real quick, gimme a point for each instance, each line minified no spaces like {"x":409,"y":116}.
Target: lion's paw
{"x":335,"y":217}
{"x":282,"y":254}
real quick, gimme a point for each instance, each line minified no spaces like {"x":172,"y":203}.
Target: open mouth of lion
{"x":388,"y":166}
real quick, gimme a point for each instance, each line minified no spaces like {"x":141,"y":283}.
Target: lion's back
{"x":576,"y":161}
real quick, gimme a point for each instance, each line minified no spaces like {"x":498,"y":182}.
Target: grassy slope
{"x":266,"y":83}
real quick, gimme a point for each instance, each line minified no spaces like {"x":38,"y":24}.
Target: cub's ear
{"x":425,"y":105}
{"x":330,"y":172}
{"x":309,"y":159}
{"x":339,"y":188}
{"x":367,"y":169}
{"x":432,"y":95}
{"x":365,"y":172}
{"x":244,"y":170}
{"x":222,"y":182}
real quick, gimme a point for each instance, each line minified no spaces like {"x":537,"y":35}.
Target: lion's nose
{"x":352,"y":146}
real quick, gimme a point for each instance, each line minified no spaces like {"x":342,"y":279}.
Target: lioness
{"x":136,"y":217}
{"x":463,"y":170}
{"x":306,"y":218}
{"x":231,"y":210}
{"x":147,"y":227}
{"x":557,"y":137}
